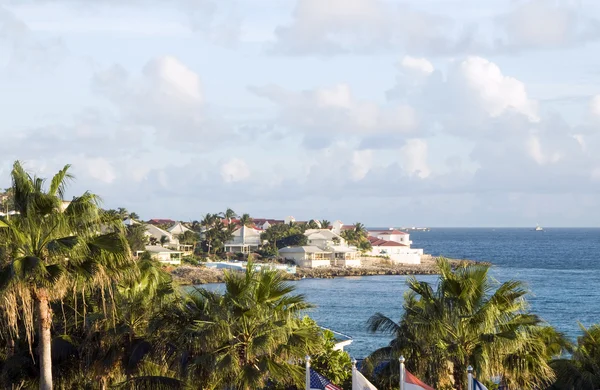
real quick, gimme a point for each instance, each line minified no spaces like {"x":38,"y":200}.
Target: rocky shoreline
{"x":188,"y":275}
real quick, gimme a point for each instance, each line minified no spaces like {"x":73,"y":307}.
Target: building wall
{"x":165,"y":258}
{"x":399,"y":254}
{"x":346,"y":263}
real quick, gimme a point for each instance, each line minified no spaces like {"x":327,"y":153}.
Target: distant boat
{"x":538,"y":228}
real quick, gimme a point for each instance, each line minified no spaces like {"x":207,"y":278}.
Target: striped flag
{"x":319,"y":382}
{"x":411,"y":382}
{"x":359,"y":382}
{"x":478,"y":386}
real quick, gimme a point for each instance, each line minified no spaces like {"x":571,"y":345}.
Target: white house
{"x":336,"y":227}
{"x":177,"y":229}
{"x":392,"y":235}
{"x":307,"y":256}
{"x":154,"y":233}
{"x":245,"y":240}
{"x":397,"y":252}
{"x":343,"y":254}
{"x":164,"y":255}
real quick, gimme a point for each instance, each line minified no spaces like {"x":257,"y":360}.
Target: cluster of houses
{"x":325,"y":245}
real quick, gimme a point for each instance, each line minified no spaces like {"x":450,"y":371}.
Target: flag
{"x":359,"y":382}
{"x":411,"y":382}
{"x":319,"y":382}
{"x":478,"y":386}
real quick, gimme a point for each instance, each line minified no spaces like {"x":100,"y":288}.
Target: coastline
{"x":190,"y":275}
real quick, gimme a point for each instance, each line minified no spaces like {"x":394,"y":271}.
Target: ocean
{"x":560,"y":266}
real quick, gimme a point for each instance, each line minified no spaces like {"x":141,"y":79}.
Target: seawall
{"x":188,"y":275}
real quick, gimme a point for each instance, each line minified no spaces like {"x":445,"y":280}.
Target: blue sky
{"x":436,"y":113}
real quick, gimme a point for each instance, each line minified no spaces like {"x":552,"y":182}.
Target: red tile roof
{"x":379,"y":242}
{"x":388,"y":231}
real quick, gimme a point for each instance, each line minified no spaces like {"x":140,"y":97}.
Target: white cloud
{"x":166,"y":98}
{"x":325,"y":112}
{"x":235,"y":170}
{"x":362,"y":160}
{"x":417,"y":65}
{"x":414,"y":158}
{"x":496,"y":92}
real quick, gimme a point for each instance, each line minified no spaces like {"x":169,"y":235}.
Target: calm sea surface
{"x":560,"y":266}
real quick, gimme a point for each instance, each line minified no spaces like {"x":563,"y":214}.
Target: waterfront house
{"x":308,"y":256}
{"x":395,"y":251}
{"x":164,"y":255}
{"x":343,"y":255}
{"x":245,"y":240}
{"x":392,"y":235}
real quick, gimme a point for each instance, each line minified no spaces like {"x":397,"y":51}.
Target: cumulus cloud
{"x":340,"y":26}
{"x":417,"y":65}
{"x":330,"y":111}
{"x":167,"y":98}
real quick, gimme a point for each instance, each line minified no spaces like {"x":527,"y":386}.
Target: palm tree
{"x":134,"y":216}
{"x":229,"y":214}
{"x":245,"y":220}
{"x":465,"y":321}
{"x":582,"y":371}
{"x":251,"y":333}
{"x":50,"y":252}
{"x":164,"y":240}
{"x":123,"y":213}
{"x":360,"y":229}
{"x":325,"y":224}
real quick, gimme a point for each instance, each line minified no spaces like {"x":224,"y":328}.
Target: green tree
{"x":250,"y":334}
{"x":312,"y":224}
{"x":466,"y":321}
{"x":134,"y":216}
{"x":50,"y":252}
{"x":245,"y":220}
{"x":136,"y":237}
{"x":229,"y":214}
{"x":582,"y":370}
{"x":325,"y":224}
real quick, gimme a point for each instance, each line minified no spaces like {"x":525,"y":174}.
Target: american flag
{"x":319,"y":382}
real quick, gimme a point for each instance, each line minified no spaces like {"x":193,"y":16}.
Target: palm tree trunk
{"x":45,"y":339}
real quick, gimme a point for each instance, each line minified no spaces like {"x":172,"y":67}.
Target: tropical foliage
{"x":469,"y":320}
{"x":357,"y":237}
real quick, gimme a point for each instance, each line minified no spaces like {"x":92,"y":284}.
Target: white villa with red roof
{"x":394,"y":244}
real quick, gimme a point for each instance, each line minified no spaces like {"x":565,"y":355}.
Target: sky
{"x":461,"y":113}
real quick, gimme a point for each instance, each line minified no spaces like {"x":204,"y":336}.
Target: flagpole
{"x":353,"y":372}
{"x":470,"y":378}
{"x":401,"y":360}
{"x":307,"y":381}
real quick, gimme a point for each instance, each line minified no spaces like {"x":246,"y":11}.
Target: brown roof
{"x":378,"y":242}
{"x":159,"y":221}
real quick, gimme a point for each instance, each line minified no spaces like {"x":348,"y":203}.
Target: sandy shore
{"x":188,"y":275}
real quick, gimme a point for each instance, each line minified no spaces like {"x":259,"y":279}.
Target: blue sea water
{"x":560,"y":266}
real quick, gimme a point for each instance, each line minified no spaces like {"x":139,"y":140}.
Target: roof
{"x":178,"y":228}
{"x":157,"y":232}
{"x":379,"y":242}
{"x":159,"y":249}
{"x":390,"y":231}
{"x":159,"y":221}
{"x":343,"y":249}
{"x":302,"y":249}
{"x":320,"y":234}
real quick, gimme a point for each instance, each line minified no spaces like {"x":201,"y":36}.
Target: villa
{"x":395,"y":245}
{"x":307,"y":256}
{"x":245,"y":240}
{"x":164,"y":255}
